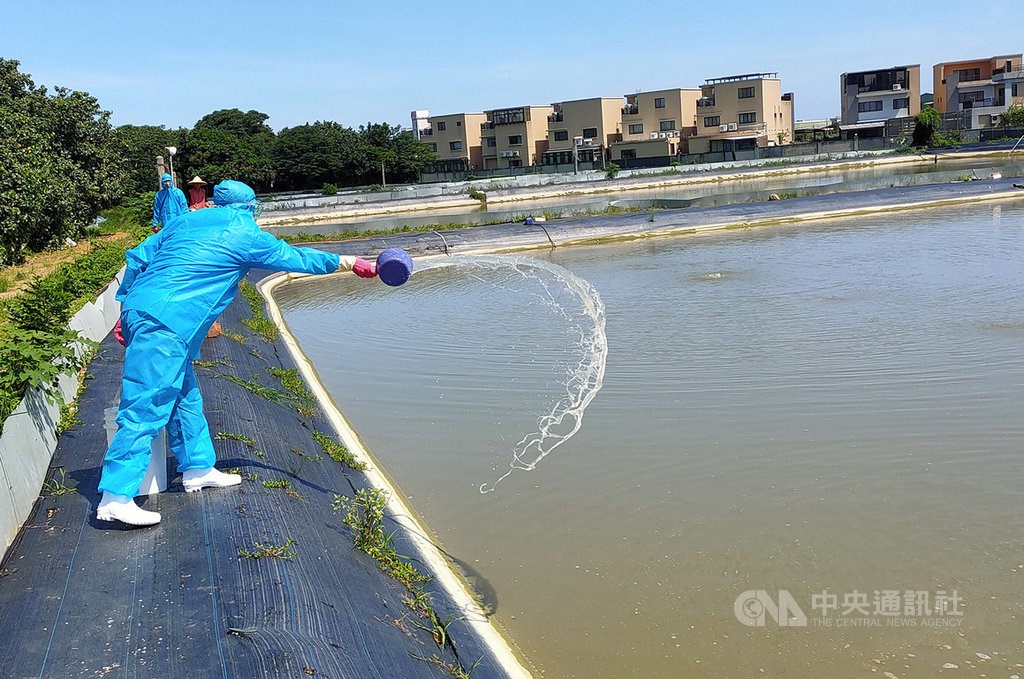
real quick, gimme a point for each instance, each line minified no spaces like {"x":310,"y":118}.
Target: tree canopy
{"x":58,"y":165}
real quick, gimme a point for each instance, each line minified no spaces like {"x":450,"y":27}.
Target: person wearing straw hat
{"x":196,"y":194}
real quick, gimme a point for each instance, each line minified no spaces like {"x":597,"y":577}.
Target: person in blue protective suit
{"x":176,"y":283}
{"x":168,"y":203}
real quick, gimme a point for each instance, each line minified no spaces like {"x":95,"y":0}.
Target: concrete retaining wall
{"x":30,"y":433}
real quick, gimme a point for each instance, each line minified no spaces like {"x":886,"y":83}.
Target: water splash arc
{"x":586,"y":376}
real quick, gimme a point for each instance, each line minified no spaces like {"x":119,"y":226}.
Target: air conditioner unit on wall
{"x":654,"y":135}
{"x":732,"y":126}
{"x":509,"y":154}
{"x":723,"y":128}
{"x":663,"y":135}
{"x":897,"y":87}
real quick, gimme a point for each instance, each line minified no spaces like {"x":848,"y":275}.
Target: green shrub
{"x":611,"y":169}
{"x":330,"y":189}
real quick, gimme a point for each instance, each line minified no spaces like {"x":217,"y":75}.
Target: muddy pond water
{"x":804,"y":458}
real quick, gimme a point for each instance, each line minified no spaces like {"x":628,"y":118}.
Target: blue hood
{"x":230,"y":191}
{"x":165,"y":177}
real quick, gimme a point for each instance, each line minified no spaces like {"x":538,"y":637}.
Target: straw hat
{"x":196,"y":180}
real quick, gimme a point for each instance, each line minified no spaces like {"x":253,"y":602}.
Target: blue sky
{"x":359,"y":62}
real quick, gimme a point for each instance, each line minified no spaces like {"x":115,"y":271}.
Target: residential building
{"x":738,"y":113}
{"x":591,"y":125}
{"x":514,"y":137}
{"x":420,"y":121}
{"x":981,"y":89}
{"x":655,"y":124}
{"x":455,"y":138}
{"x":870,"y":98}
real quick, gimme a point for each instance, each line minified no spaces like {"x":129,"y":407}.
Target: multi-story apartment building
{"x":591,"y":125}
{"x":982,"y":88}
{"x":455,"y":138}
{"x":514,"y":137}
{"x":655,"y":124}
{"x":869,"y":98}
{"x":740,"y":112}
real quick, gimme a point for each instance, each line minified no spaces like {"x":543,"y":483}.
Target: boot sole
{"x":191,"y":489}
{"x":108,"y":516}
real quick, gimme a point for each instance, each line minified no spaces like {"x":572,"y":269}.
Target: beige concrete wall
{"x":772,"y":115}
{"x":603,"y":114}
{"x":678,"y":109}
{"x":461,"y":128}
{"x":527,"y":136}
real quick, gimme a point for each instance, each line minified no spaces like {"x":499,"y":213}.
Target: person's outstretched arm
{"x":272,"y":253}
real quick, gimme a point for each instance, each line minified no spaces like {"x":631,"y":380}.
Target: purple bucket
{"x":394,"y":266}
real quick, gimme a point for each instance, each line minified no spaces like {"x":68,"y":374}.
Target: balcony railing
{"x":426,"y":132}
{"x":630,"y":110}
{"x":489,"y":125}
{"x":706,"y":102}
{"x":556,"y":117}
{"x":981,"y":103}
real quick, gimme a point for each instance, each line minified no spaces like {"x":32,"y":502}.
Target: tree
{"x":58,"y":167}
{"x":309,"y":156}
{"x":402,"y":156}
{"x":928,"y":122}
{"x":1013,"y":116}
{"x":230,"y":144}
{"x":138,"y":146}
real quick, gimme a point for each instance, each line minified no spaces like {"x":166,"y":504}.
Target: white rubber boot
{"x":197,"y":479}
{"x":122,"y":508}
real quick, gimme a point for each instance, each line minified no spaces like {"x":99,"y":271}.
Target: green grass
{"x":269,"y":551}
{"x":259,"y":321}
{"x":338,"y":452}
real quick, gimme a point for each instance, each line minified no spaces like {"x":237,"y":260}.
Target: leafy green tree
{"x":1013,"y":116}
{"x":402,"y":156}
{"x":309,"y":156}
{"x":138,"y":146}
{"x":230,"y":144}
{"x":58,"y":167}
{"x":928,"y":122}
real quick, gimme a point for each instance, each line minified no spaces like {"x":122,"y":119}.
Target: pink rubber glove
{"x":364,"y":269}
{"x":118,"y":335}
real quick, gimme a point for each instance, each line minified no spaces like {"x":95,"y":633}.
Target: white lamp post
{"x":171,"y":150}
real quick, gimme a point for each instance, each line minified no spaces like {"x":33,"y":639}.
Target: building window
{"x":712,"y":121}
{"x":458,"y":123}
{"x":866,"y":106}
{"x":659,"y":102}
{"x":515,"y":162}
{"x":745,"y":93}
{"x":589,"y":132}
{"x":628,"y":153}
{"x":433,"y":147}
{"x":508,"y":116}
{"x":667,"y":125}
{"x":515,"y":140}
{"x":746,"y":118}
{"x":561,"y":135}
{"x":972,"y":97}
{"x":637,"y":128}
{"x":440,"y":126}
{"x":1017,"y":90}
{"x":455,"y":145}
{"x":900,"y":103}
{"x":968,"y":74}
{"x":491,"y":142}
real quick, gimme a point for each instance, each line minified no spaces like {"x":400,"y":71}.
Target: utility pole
{"x":383,"y":180}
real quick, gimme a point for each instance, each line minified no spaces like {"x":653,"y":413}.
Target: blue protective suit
{"x":169,"y":202}
{"x":176,"y":284}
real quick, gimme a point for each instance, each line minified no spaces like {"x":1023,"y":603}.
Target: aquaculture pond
{"x":799,"y":454}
